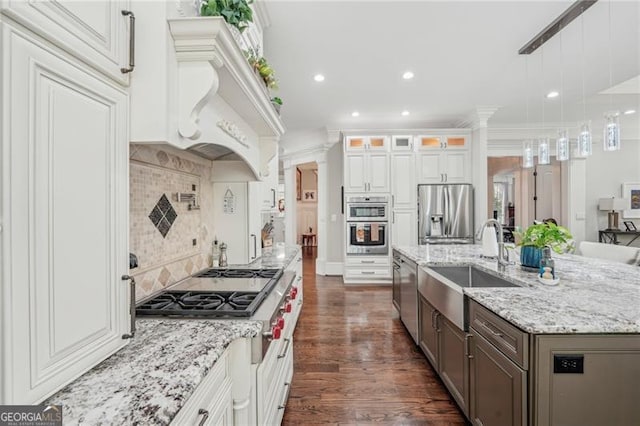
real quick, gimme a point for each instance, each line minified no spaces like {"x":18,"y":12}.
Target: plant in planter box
{"x":541,"y":235}
{"x":235,"y":12}
{"x":277,"y":103}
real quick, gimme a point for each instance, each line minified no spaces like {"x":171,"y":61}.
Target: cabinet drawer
{"x":363,"y":273}
{"x":511,"y":341}
{"x":371,"y":261}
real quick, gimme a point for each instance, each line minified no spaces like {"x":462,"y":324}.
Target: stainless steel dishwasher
{"x":409,"y":296}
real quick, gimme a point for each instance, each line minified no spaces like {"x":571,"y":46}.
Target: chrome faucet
{"x":503,"y":254}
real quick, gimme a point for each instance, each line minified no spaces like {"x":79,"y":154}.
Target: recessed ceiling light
{"x":629,"y":111}
{"x":407,"y":75}
{"x":405,"y":113}
{"x":355,"y":114}
{"x":553,"y":94}
{"x":318,"y":77}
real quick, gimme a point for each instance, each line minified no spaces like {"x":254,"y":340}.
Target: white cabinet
{"x":96,"y":32}
{"x":64,"y":213}
{"x":211,"y":403}
{"x":443,"y":159}
{"x":403,"y":180}
{"x":366,"y":165}
{"x":237,"y":220}
{"x":269,"y":187}
{"x":404,"y":227}
{"x":402,"y":143}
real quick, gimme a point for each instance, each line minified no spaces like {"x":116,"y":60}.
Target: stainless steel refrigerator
{"x":445,"y":214}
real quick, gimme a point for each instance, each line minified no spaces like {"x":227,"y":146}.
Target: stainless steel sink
{"x":470,"y":276}
{"x":442,"y":287}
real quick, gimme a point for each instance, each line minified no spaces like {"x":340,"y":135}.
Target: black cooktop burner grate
{"x":238,"y":273}
{"x":202,"y":304}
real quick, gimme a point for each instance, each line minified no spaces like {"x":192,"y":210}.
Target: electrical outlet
{"x":194,"y":242}
{"x":193,"y":187}
{"x":568,"y":364}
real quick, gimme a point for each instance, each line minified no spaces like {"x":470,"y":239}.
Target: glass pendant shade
{"x":584,"y":140}
{"x":544,"y":156}
{"x":562,"y":146}
{"x":527,"y":154}
{"x":612,"y":132}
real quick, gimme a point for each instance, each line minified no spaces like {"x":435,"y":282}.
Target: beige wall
{"x":156,"y":170}
{"x":307,"y":211}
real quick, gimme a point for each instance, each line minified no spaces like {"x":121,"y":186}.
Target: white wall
{"x":606,"y":172}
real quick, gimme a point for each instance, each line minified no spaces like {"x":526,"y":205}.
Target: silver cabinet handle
{"x":393,"y":201}
{"x":273,"y":193}
{"x":490,"y":329}
{"x":367,"y":261}
{"x":132,"y":306}
{"x":205,"y":415}
{"x":393,"y":215}
{"x":132,"y":41}
{"x":286,"y":348}
{"x":255,"y":246}
{"x":286,"y":396}
{"x":437,"y":328}
{"x":467,"y":346}
{"x":446,"y":177}
{"x":367,"y":272}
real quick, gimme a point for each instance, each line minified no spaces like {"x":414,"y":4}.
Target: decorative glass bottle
{"x":547,"y":265}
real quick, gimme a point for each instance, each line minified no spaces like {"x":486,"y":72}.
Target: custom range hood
{"x":223,"y":108}
{"x":194,"y":89}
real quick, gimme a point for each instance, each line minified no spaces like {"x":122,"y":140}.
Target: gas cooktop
{"x":214,"y":293}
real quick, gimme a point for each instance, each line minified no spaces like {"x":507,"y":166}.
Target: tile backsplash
{"x":163,"y":230}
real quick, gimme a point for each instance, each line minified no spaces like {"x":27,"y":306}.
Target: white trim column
{"x":289,"y":202}
{"x":321,"y":258}
{"x":479,"y":150}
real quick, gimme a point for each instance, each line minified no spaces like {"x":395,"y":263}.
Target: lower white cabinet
{"x":212,"y":402}
{"x":64,"y":217}
{"x":367,"y":269}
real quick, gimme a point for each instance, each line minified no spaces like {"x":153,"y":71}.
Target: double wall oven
{"x":367,"y":225}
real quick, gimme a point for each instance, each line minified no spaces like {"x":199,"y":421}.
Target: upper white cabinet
{"x":64,"y":210}
{"x":443,"y":159}
{"x":269,"y":186}
{"x":96,"y":32}
{"x":402,"y":143}
{"x":366,"y":165}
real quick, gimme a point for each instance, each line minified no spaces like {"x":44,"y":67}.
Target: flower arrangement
{"x":262,"y":67}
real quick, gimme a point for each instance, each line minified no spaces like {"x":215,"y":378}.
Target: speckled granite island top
{"x":149,"y":380}
{"x":593,"y":296}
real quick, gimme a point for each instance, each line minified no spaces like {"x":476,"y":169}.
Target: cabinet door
{"x":427,"y":142}
{"x":430,"y":167}
{"x":403,"y":181}
{"x":254,"y":221}
{"x":378,"y":172}
{"x":378,"y":143}
{"x":65,"y":210}
{"x":402,"y":143}
{"x":498,"y":387}
{"x":355,"y":143}
{"x":95,"y":31}
{"x":404,"y":227}
{"x":269,"y":187}
{"x":354,"y":172}
{"x":454,"y":362}
{"x":456,"y":142}
{"x":456,"y":168}
{"x":428,"y":331}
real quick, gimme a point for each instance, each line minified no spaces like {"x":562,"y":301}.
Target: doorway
{"x":307,"y":206}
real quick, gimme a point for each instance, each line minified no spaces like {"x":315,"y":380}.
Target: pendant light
{"x":544,"y":156}
{"x":584,"y":136}
{"x":562,"y":141}
{"x":611,"y":137}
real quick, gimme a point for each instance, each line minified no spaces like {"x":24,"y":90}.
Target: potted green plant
{"x":235,"y":12}
{"x":541,"y":235}
{"x":262,"y":68}
{"x":277,"y":103}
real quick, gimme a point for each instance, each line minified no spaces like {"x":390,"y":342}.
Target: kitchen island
{"x":531,"y":354}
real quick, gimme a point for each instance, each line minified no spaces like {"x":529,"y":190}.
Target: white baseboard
{"x":320,"y":266}
{"x":333,"y":268}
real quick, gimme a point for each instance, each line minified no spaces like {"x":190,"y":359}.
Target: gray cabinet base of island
{"x":501,"y":375}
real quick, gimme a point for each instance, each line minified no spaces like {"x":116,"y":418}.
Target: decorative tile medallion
{"x":163,"y":215}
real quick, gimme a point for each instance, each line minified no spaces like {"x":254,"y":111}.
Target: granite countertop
{"x":278,"y":256}
{"x":593,"y":296}
{"x":149,"y":380}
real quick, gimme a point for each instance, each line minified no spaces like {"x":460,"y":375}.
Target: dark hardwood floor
{"x":355,"y":363}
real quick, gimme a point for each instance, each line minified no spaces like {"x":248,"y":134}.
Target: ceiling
{"x":464,"y":56}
